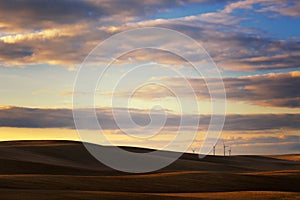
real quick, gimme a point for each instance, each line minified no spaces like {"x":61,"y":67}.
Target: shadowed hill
{"x":36,"y":168}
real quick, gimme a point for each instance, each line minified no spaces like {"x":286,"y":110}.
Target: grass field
{"x":65,"y":170}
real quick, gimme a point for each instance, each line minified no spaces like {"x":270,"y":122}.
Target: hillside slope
{"x":64,"y":169}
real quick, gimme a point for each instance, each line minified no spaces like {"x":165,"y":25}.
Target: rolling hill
{"x":65,"y":170}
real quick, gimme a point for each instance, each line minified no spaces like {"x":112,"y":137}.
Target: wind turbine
{"x":224,"y":146}
{"x":229,"y":151}
{"x":214,"y":149}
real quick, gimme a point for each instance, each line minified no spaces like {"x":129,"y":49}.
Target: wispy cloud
{"x":282,"y":7}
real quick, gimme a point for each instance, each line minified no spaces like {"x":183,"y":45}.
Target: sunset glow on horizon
{"x":255,"y":45}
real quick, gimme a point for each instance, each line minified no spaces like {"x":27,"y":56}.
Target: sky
{"x":254,"y":43}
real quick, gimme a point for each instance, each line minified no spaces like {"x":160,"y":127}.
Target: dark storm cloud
{"x":62,"y":118}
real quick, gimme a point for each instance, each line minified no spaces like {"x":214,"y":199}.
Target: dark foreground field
{"x":65,"y":170}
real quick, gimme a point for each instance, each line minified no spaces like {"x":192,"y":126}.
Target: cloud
{"x":46,"y":14}
{"x":12,"y":52}
{"x":232,"y":46}
{"x":36,"y":118}
{"x":81,"y":25}
{"x":261,"y":122}
{"x":27,"y":36}
{"x":264,"y":139}
{"x":62,"y":118}
{"x":261,"y":144}
{"x":283,"y":7}
{"x":277,"y":90}
{"x":78,"y":27}
{"x":293,"y":10}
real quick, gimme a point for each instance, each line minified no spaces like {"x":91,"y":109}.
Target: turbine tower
{"x":224,"y":147}
{"x":229,"y":151}
{"x":214,"y":149}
